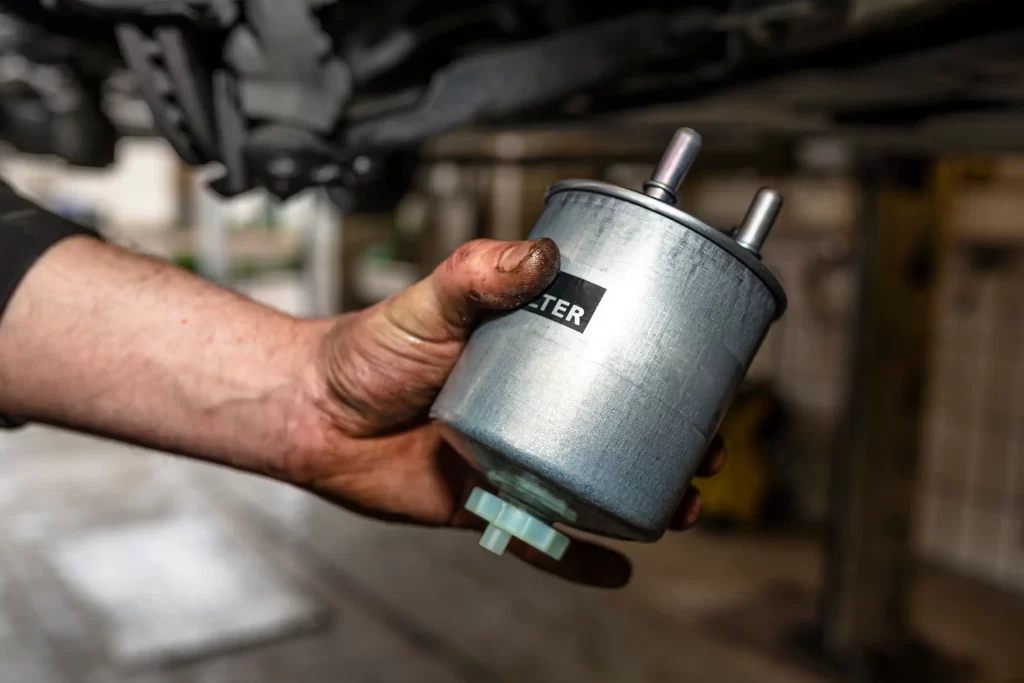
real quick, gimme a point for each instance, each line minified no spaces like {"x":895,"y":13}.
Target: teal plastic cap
{"x":508,"y":520}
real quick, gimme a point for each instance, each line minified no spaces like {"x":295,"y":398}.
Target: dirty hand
{"x":377,"y":372}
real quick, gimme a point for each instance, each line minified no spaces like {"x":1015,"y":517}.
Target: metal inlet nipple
{"x":674,"y":165}
{"x":760,"y":218}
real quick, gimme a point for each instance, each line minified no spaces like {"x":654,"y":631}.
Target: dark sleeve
{"x":26,"y":232}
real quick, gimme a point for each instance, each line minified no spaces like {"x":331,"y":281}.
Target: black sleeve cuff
{"x":26,"y":232}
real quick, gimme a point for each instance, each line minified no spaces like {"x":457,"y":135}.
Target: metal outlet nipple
{"x":760,"y":218}
{"x":674,"y":165}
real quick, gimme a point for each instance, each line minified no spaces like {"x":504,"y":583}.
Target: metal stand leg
{"x":864,"y":617}
{"x":324,"y":263}
{"x":213,"y":260}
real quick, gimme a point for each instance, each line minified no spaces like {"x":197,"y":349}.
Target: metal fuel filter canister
{"x":593,"y":405}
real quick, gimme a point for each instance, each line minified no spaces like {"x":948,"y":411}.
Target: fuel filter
{"x":593,"y":405}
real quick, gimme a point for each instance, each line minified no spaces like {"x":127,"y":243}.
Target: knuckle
{"x":463,"y":257}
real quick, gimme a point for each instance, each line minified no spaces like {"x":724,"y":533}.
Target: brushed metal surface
{"x":718,"y":237}
{"x":603,"y":430}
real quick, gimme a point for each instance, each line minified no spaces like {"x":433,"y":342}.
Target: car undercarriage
{"x":287,"y":95}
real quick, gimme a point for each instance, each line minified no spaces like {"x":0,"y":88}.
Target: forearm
{"x":103,"y":340}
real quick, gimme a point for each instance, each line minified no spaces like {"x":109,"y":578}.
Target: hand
{"x":377,"y":372}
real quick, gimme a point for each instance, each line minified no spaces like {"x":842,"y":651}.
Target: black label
{"x":569,"y":301}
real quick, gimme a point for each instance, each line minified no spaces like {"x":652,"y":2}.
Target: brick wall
{"x":971,"y":513}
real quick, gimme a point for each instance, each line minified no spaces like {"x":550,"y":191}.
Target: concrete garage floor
{"x":122,"y":566}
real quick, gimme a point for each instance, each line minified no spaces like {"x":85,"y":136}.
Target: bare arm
{"x":106,"y":341}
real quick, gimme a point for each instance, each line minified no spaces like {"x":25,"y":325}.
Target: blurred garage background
{"x":845,"y":540}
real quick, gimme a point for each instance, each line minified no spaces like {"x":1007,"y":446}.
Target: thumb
{"x":482,"y":274}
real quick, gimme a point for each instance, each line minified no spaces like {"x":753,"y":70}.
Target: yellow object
{"x":739,"y":491}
